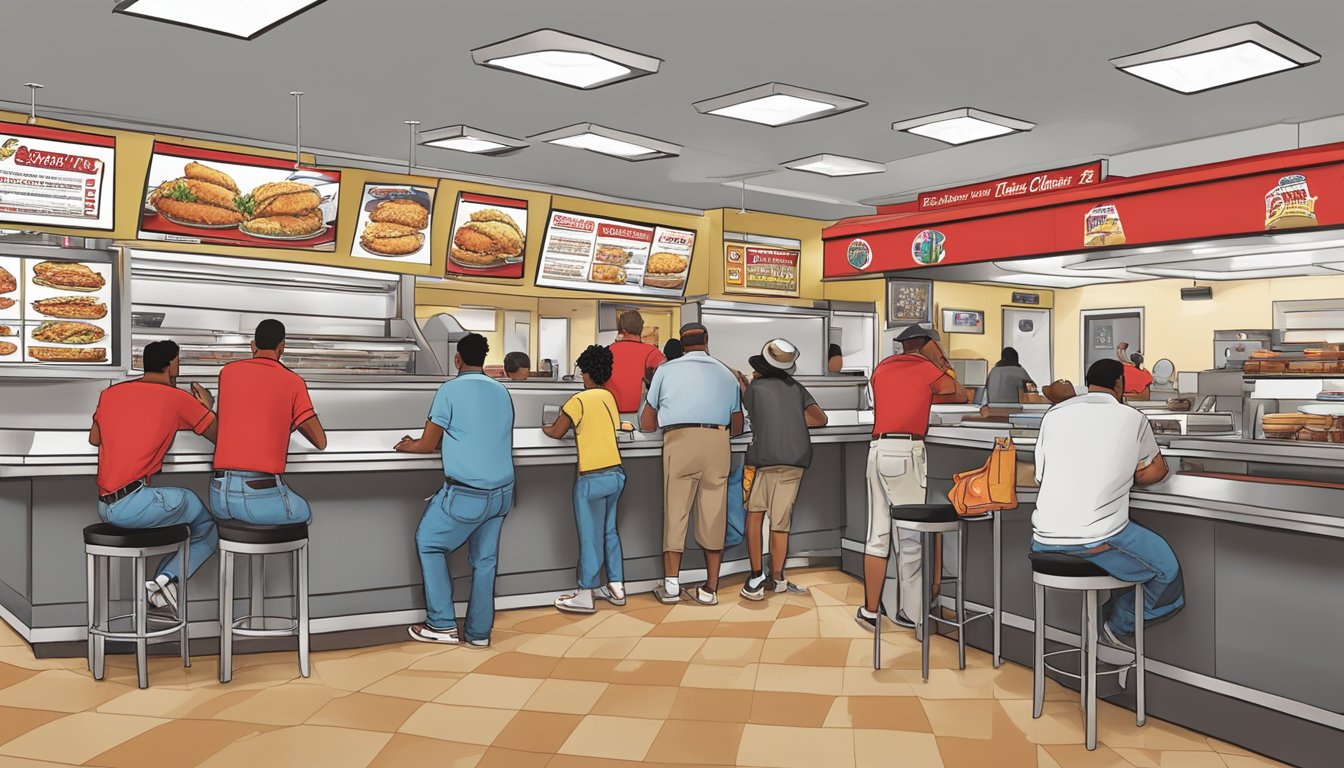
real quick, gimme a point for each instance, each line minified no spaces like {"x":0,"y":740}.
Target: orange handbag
{"x":991,"y":488}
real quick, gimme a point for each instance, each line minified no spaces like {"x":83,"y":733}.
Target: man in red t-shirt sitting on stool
{"x":633,"y":362}
{"x":261,"y":402}
{"x":903,"y":389}
{"x":133,"y":428}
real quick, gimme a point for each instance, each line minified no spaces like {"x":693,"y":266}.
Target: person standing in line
{"x":1007,"y":381}
{"x":903,"y":387}
{"x":835,"y":359}
{"x":133,"y":429}
{"x":593,"y":415}
{"x":517,"y":366}
{"x":633,"y":362}
{"x":781,"y":411}
{"x":697,"y":401}
{"x":261,"y":403}
{"x":472,"y":419}
{"x":1138,"y":382}
{"x":672,"y":349}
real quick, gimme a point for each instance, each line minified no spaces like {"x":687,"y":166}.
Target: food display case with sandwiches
{"x":62,"y":305}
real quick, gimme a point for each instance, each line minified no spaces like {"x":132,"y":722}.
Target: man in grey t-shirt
{"x":781,"y":412}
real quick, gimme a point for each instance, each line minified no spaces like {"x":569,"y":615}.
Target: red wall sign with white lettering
{"x":1027,"y":185}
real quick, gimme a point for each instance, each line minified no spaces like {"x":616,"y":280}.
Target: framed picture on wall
{"x":909,"y":301}
{"x":963,"y":321}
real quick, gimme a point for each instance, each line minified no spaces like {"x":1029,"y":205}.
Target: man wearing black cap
{"x":903,"y":387}
{"x":697,"y":401}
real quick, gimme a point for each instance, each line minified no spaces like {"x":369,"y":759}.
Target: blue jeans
{"x":595,"y":497}
{"x":159,"y":507}
{"x":458,"y":515}
{"x":1133,"y":554}
{"x":231,"y":498}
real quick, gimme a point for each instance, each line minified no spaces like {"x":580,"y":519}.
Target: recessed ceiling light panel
{"x":567,"y":59}
{"x":1228,"y":56}
{"x":609,"y":141}
{"x":245,"y":19}
{"x":835,"y":165}
{"x":464,"y":139}
{"x":962,"y":126}
{"x":776,"y":104}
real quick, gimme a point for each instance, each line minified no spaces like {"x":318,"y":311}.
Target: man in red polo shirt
{"x":903,"y":388}
{"x":133,"y":428}
{"x":633,"y":362}
{"x":261,"y":402}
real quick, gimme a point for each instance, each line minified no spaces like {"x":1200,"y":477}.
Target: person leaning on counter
{"x":903,"y":387}
{"x":133,"y":428}
{"x":1137,"y":380}
{"x":634,"y":362}
{"x":472,"y":419}
{"x":261,"y":402}
{"x":697,"y":401}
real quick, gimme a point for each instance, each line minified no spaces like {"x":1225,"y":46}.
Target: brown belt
{"x":674,"y":427}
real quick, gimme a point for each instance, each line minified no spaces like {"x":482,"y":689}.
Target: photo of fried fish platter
{"x":490,"y":237}
{"x":283,"y":210}
{"x":202,"y":197}
{"x":69,"y":354}
{"x":67,"y":276}
{"x":71,"y":307}
{"x":68,"y":332}
{"x":402,"y":212}
{"x":387,"y":239}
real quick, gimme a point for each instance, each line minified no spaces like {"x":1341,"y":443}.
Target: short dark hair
{"x":1137,"y":359}
{"x":516,"y":361}
{"x":1105,"y":373}
{"x":596,"y":362}
{"x":631,"y":322}
{"x":672,"y":349}
{"x":834,"y":351}
{"x":158,"y":355}
{"x":270,"y":334}
{"x":473,"y":348}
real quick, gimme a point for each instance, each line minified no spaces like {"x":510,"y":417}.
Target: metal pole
{"x":410,"y":141}
{"x":32,"y":101}
{"x":298,"y":128}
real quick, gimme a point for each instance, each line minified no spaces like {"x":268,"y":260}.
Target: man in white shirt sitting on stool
{"x":1090,"y":452}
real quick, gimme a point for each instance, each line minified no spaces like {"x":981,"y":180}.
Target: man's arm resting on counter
{"x":560,"y":428}
{"x":427,"y":442}
{"x":648,"y":419}
{"x":312,"y":430}
{"x":1151,"y":473}
{"x":814,"y":416}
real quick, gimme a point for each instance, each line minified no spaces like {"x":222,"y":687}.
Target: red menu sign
{"x":1028,"y":185}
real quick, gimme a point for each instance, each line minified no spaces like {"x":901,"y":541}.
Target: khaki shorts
{"x":696,"y":462}
{"x":774,"y":490}
{"x":896,"y":475}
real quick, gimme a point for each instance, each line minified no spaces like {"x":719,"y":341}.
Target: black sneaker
{"x":902,"y":620}
{"x":868,"y":622}
{"x":757,"y":592}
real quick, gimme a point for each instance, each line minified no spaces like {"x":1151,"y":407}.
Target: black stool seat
{"x":925,"y":513}
{"x":246,"y":533}
{"x":1069,"y":566}
{"x":109,"y":535}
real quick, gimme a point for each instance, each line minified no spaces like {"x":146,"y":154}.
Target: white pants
{"x":897,"y":474}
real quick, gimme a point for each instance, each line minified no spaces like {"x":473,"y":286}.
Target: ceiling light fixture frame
{"x":840,"y":104}
{"x":124,"y":7}
{"x":508,"y":144}
{"x":547,"y":39}
{"x":1255,"y":32}
{"x":659,"y":149}
{"x":1013,"y":125}
{"x":876,"y":167}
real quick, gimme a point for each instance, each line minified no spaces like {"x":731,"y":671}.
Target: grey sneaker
{"x":427,"y":634}
{"x":784,"y":585}
{"x":662,"y":595}
{"x":605,"y":593}
{"x":704,"y":596}
{"x":571,"y":603}
{"x":162,"y":592}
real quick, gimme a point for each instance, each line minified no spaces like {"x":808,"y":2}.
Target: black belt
{"x":121,"y":493}
{"x":266,"y":480}
{"x":450,"y":482}
{"x":900,"y":436}
{"x":674,"y":427}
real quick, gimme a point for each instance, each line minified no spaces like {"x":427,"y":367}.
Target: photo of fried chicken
{"x":612,"y":254}
{"x":406,"y":213}
{"x":71,"y":308}
{"x":490,"y":237}
{"x":69,"y":354}
{"x":202,"y":197}
{"x":296,"y":226}
{"x":210,"y":175}
{"x":7,"y":349}
{"x":6,"y":303}
{"x":5,"y":330}
{"x":66,"y":332}
{"x":608,"y":273}
{"x":67,"y":276}
{"x":666,"y":270}
{"x":7,"y":282}
{"x":284,"y":198}
{"x":386,"y":239}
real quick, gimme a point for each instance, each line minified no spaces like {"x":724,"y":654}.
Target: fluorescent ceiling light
{"x":962,"y":126}
{"x":609,"y":141}
{"x":835,"y":165}
{"x":567,"y":59}
{"x":236,"y":18}
{"x":1228,"y":56}
{"x":776,"y":104}
{"x":464,"y":139}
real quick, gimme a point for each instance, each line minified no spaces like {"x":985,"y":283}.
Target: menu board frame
{"x":739,"y":282}
{"x":105,"y":147}
{"x":115,"y":323}
{"x":155,"y":224}
{"x":515,"y":209}
{"x":622,"y":289}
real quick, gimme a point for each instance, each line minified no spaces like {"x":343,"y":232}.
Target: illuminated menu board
{"x":56,"y":312}
{"x":594,"y":253}
{"x":56,"y":178}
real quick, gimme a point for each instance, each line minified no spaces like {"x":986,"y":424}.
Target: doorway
{"x":1030,"y":332}
{"x":1104,"y":330}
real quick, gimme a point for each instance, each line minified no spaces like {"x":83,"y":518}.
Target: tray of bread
{"x":1303,"y":427}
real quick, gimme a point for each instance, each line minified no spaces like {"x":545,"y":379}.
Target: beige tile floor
{"x":788,"y":682}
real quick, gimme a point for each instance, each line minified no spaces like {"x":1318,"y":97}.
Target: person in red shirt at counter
{"x":633,"y":362}
{"x":260,"y":403}
{"x":903,"y":388}
{"x":1138,"y":382}
{"x":133,"y":428}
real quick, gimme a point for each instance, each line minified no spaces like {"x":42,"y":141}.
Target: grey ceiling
{"x":367,"y":66}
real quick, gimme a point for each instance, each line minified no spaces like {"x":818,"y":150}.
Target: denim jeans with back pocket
{"x":231,"y":498}
{"x":460,"y":515}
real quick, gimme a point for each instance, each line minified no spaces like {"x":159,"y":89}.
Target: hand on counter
{"x":427,"y":442}
{"x":203,"y":396}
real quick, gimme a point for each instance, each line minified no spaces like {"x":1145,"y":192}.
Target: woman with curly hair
{"x":593,"y":415}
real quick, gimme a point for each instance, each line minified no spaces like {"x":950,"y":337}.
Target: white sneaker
{"x":162,"y":592}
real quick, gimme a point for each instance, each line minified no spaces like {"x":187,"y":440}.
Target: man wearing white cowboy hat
{"x":781,"y":412}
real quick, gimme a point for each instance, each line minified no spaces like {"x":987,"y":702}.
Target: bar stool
{"x":930,"y":520}
{"x":103,"y":543}
{"x":257,"y":541}
{"x":1052,"y":570}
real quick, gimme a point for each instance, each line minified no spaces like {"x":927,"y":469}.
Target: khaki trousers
{"x":696,"y":462}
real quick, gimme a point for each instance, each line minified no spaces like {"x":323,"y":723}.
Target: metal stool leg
{"x":141,"y":619}
{"x":1038,"y":656}
{"x":301,"y":557}
{"x":998,"y":589}
{"x":91,"y":599}
{"x":103,"y":572}
{"x":225,"y":616}
{"x":1082,"y":655}
{"x":1140,"y":664}
{"x":961,"y":595}
{"x":183,"y":600}
{"x":1091,"y":673}
{"x":256,"y":583}
{"x":926,"y":588}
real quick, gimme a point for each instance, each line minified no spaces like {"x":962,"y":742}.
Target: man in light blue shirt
{"x":697,"y":402}
{"x":472,"y":418}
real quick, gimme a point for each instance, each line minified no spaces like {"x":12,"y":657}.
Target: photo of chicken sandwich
{"x":67,"y":276}
{"x":283,"y":210}
{"x":71,"y":308}
{"x":395,"y":227}
{"x":490,"y":238}
{"x":69,"y":354}
{"x":68,"y":332}
{"x":666,"y":270}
